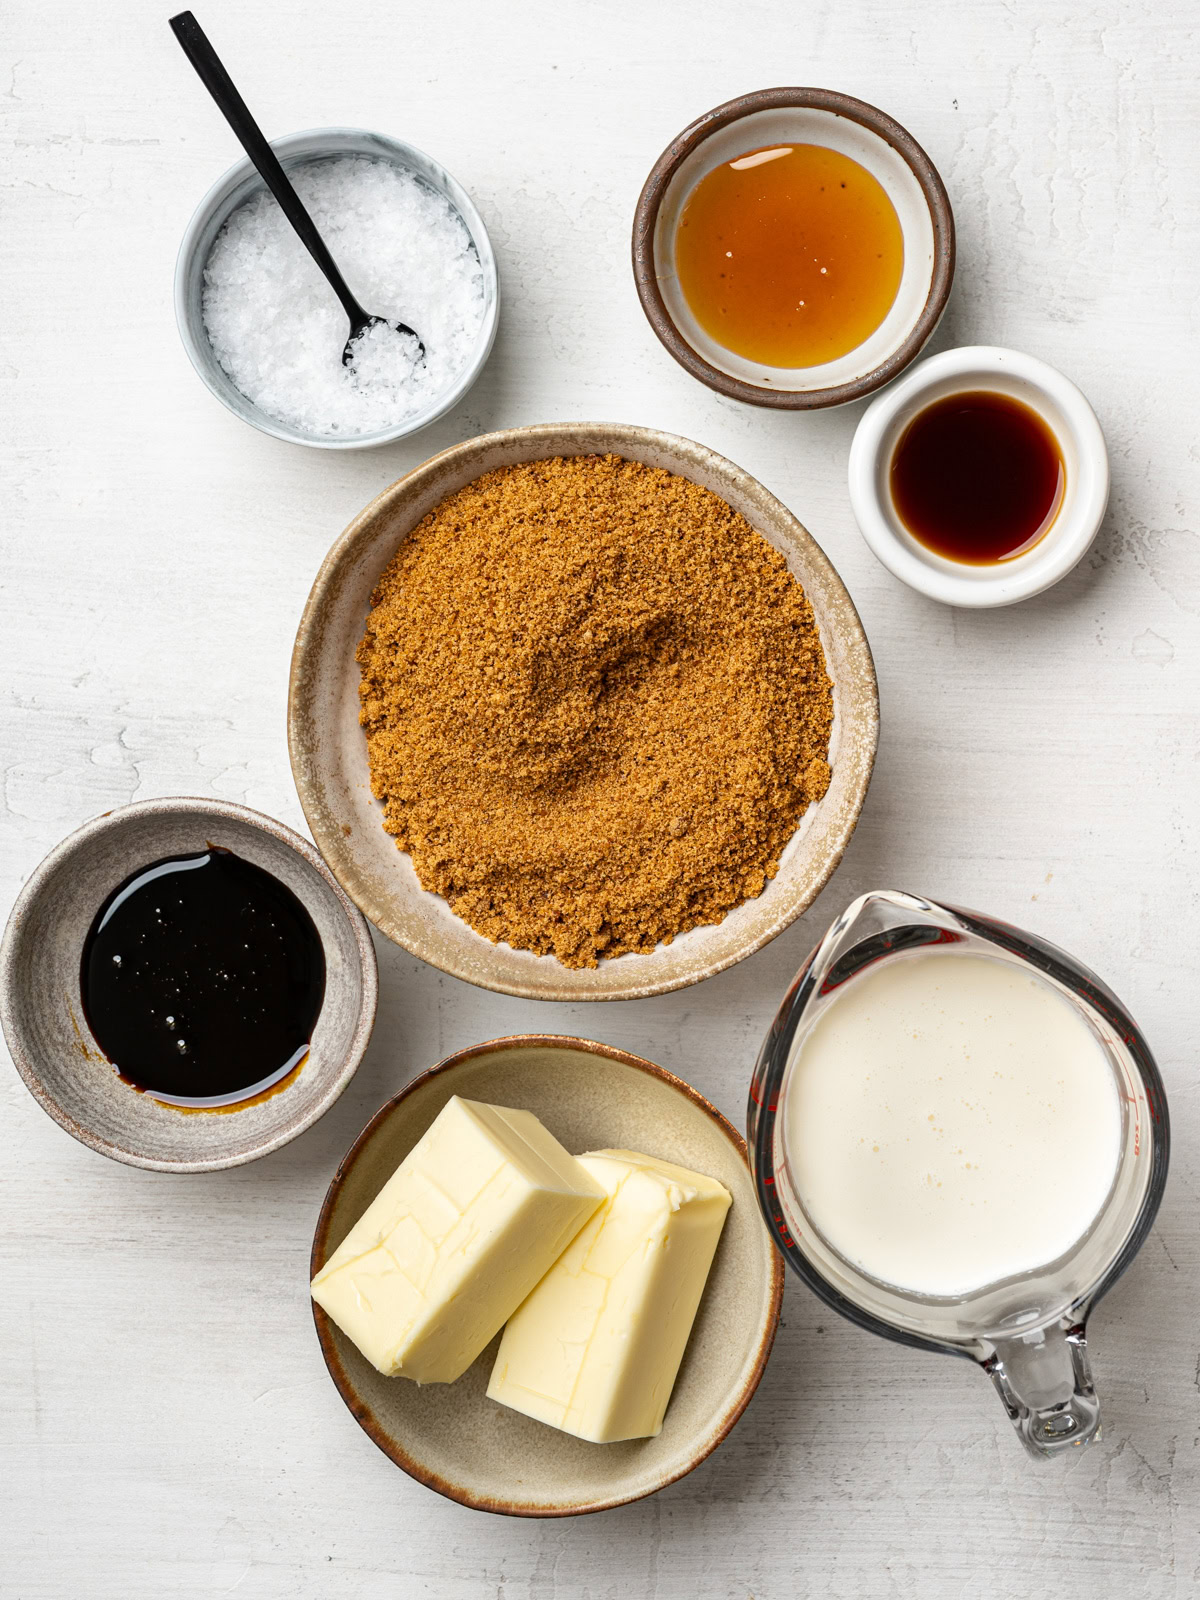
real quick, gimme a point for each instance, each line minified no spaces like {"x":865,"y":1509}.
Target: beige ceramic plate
{"x":329,"y":753}
{"x":451,"y":1436}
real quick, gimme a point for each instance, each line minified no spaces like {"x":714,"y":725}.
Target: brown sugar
{"x":596,"y":706}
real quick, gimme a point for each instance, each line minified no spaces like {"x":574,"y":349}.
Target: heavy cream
{"x":951,"y":1120}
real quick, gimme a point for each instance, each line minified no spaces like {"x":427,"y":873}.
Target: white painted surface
{"x":166,"y":1424}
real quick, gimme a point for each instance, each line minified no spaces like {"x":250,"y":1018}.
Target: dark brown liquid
{"x":202,"y":979}
{"x":977,"y":477}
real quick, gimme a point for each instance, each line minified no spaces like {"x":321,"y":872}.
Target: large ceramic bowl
{"x":329,"y":752}
{"x":451,"y":1436}
{"x":41,"y":1007}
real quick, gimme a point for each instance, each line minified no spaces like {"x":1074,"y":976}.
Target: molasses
{"x":202,"y":979}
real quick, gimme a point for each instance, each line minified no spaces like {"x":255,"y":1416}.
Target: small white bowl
{"x":238,"y":185}
{"x":1085,"y":458}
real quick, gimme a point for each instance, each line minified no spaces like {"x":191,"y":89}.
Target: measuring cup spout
{"x":1045,"y":1384}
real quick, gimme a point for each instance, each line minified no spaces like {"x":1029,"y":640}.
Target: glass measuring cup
{"x":1028,"y":1332}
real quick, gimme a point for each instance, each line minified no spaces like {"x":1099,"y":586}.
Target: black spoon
{"x":220,"y":85}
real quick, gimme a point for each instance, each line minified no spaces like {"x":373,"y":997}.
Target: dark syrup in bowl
{"x":978,"y":477}
{"x":202,"y":979}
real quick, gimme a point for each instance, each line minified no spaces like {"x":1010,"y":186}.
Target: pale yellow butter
{"x":455,"y":1240}
{"x":596,"y":1347}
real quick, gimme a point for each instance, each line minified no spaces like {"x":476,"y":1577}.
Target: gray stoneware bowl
{"x":329,"y":752}
{"x":242,"y":181}
{"x":42,"y":1012}
{"x":450,"y":1436}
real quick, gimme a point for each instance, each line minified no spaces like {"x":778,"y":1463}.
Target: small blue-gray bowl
{"x":237,"y":186}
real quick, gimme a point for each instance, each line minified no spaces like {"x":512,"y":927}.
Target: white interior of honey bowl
{"x":803,"y":125}
{"x":451,"y":1436}
{"x":329,"y":755}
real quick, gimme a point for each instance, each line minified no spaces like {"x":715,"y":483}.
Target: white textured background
{"x":166,"y":1423}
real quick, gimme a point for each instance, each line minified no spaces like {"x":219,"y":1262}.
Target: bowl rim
{"x":362,"y":1413}
{"x":311,"y":790}
{"x":645,"y":220}
{"x":402,"y":150}
{"x":1061,"y":547}
{"x":107,"y":822}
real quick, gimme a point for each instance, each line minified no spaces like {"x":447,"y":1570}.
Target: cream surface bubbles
{"x":951,"y":1120}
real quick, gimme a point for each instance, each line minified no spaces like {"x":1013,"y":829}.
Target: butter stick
{"x":596,"y":1347}
{"x":455,"y":1240}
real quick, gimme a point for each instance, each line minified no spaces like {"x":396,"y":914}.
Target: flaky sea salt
{"x":278,"y":329}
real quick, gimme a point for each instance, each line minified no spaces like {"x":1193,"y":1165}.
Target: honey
{"x":790,"y":256}
{"x":977,"y":477}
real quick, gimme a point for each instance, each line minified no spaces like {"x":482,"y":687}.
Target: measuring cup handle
{"x":1045,"y":1384}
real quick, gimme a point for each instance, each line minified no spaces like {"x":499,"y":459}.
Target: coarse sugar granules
{"x":596,"y":706}
{"x":278,"y":330}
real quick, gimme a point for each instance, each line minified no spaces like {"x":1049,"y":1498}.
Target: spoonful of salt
{"x":220,"y":85}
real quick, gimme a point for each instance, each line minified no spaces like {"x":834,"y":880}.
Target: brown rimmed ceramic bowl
{"x":451,"y":1437}
{"x":42,"y":1011}
{"x":798,"y":116}
{"x":329,"y":751}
